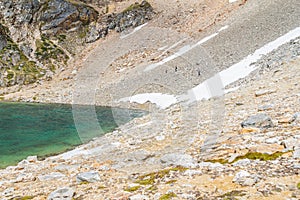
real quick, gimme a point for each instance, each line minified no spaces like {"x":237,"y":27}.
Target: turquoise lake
{"x":47,"y":129}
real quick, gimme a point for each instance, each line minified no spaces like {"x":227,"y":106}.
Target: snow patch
{"x":215,"y":85}
{"x":134,"y":30}
{"x":162,"y":101}
{"x":184,"y":50}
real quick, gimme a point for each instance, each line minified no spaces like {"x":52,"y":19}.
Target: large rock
{"x":260,"y":120}
{"x":178,"y":159}
{"x":62,"y":194}
{"x":244,"y":178}
{"x":61,"y":15}
{"x":296,"y":153}
{"x":90,"y":177}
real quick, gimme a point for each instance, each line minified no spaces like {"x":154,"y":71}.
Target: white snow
{"x":134,"y":30}
{"x":162,"y":101}
{"x":171,"y":47}
{"x":215,"y":85}
{"x":232,"y":1}
{"x":184,"y":50}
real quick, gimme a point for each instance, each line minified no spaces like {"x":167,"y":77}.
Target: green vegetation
{"x":137,"y":6}
{"x":251,"y":156}
{"x":298,"y":185}
{"x":83,"y":32}
{"x":149,"y":179}
{"x":101,"y":187}
{"x":83,"y":183}
{"x":132,"y":189}
{"x":48,"y":50}
{"x":24,"y":198}
{"x":171,"y":181}
{"x":61,"y":37}
{"x":232,"y":195}
{"x":152,"y":188}
{"x":168,"y":196}
{"x":21,"y":69}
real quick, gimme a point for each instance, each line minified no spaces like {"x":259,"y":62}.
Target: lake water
{"x":47,"y":129}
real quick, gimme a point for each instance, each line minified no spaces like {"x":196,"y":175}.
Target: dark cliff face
{"x":60,"y":15}
{"x":30,"y":33}
{"x":36,"y":36}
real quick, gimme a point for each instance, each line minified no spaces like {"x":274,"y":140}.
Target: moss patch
{"x":137,"y":6}
{"x":132,"y":189}
{"x":251,"y":156}
{"x":171,"y":181}
{"x":168,"y":196}
{"x":232,"y":195}
{"x":298,"y":186}
{"x":48,"y":50}
{"x":21,"y":70}
{"x":83,"y":183}
{"x":24,"y":198}
{"x":149,"y":179}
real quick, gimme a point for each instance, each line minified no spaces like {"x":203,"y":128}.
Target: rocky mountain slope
{"x":39,"y":37}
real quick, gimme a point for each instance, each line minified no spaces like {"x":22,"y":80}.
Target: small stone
{"x":287,"y":119}
{"x":32,"y":159}
{"x":249,"y":130}
{"x":160,"y":137}
{"x":139,"y":197}
{"x":211,"y":166}
{"x":265,"y":107}
{"x":243,"y":162}
{"x":263,"y":92}
{"x":90,"y":177}
{"x":259,"y":121}
{"x":244,"y":178}
{"x":51,"y":176}
{"x":296,"y":166}
{"x":296,"y":153}
{"x":8,"y":192}
{"x":273,"y":140}
{"x":62,"y":194}
{"x":190,"y":172}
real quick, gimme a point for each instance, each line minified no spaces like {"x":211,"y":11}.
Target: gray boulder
{"x":244,"y":178}
{"x":90,"y":177}
{"x":296,"y":153}
{"x":260,"y":120}
{"x":62,"y":194}
{"x":178,"y":159}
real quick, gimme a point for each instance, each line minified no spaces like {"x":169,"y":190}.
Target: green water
{"x":47,"y":129}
